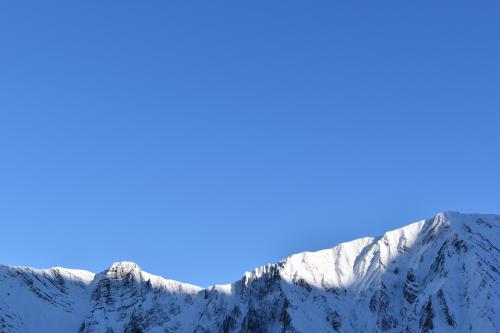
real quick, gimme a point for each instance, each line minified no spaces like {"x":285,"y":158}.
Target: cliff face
{"x":437,"y":275}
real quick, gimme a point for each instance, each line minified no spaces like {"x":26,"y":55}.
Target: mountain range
{"x":436,"y":275}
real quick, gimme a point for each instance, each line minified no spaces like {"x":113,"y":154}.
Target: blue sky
{"x":202,"y":139}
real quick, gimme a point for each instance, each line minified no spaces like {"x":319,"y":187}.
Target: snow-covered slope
{"x":436,"y":275}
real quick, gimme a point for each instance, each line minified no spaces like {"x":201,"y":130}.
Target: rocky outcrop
{"x":436,"y":275}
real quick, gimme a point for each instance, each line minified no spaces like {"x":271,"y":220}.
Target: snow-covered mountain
{"x":436,"y":275}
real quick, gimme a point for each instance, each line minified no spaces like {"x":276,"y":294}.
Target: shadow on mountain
{"x":439,"y":275}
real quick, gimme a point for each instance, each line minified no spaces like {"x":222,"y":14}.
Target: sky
{"x":202,"y":139}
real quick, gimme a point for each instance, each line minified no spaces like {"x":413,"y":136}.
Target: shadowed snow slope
{"x":436,"y":275}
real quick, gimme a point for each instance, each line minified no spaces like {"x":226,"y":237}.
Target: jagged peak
{"x":125,"y":266}
{"x":347,"y":262}
{"x":418,"y":272}
{"x":123,"y":269}
{"x":460,"y":221}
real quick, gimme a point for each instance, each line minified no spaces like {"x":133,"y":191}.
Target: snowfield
{"x":436,"y":275}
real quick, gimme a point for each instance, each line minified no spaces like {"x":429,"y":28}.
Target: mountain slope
{"x":436,"y":275}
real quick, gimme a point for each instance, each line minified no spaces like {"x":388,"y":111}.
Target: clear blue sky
{"x":204,"y":138}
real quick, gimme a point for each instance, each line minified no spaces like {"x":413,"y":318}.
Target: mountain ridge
{"x":418,"y":278}
{"x":126,"y":263}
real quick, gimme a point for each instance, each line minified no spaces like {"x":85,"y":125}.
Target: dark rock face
{"x":334,"y":318}
{"x":410,"y":290}
{"x":380,"y":304}
{"x":426,"y":320}
{"x":438,"y":275}
{"x":230,"y":323}
{"x":450,"y":318}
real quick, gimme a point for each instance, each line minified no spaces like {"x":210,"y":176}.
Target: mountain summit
{"x":436,"y":275}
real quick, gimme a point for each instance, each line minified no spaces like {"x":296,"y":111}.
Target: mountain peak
{"x":123,"y":269}
{"x":436,"y":275}
{"x":125,"y":265}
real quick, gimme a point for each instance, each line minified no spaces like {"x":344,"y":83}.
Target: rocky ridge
{"x":436,"y":275}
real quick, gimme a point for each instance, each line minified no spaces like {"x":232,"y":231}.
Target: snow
{"x":435,"y":275}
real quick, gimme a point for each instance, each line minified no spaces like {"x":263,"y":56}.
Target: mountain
{"x":436,"y":275}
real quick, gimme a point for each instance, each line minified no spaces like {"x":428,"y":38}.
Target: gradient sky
{"x":202,"y":139}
